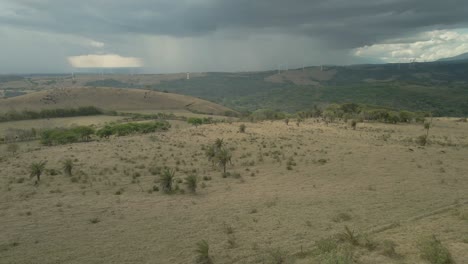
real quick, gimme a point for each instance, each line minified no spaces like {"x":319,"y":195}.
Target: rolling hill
{"x":439,"y":87}
{"x":109,"y":99}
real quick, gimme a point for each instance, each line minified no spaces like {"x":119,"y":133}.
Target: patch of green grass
{"x":433,"y":251}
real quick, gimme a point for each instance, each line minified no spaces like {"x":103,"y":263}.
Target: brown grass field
{"x":376,"y":180}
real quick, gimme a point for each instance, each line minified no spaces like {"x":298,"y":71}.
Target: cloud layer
{"x":430,"y":46}
{"x":330,"y":28}
{"x":104,"y":61}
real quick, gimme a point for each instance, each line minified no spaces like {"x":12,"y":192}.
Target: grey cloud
{"x":341,"y":23}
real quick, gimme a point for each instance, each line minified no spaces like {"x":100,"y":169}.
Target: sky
{"x":162,"y":36}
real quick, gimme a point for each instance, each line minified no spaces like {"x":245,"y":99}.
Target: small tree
{"x":36,"y":169}
{"x":68,"y":167}
{"x":223,"y":157}
{"x":167,"y":179}
{"x":427,"y":126}
{"x":203,"y":253}
{"x":242,"y":128}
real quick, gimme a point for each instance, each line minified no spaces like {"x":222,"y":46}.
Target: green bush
{"x":50,"y":113}
{"x":132,"y":128}
{"x":60,"y":136}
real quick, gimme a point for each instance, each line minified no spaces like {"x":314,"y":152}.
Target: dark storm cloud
{"x":342,"y":23}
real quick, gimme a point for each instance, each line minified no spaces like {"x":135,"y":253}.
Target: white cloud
{"x":428,"y":46}
{"x":95,"y":44}
{"x":104,"y":61}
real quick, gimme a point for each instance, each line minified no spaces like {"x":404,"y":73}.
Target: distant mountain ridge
{"x":461,"y":57}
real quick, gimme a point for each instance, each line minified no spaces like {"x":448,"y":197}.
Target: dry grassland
{"x":289,"y":187}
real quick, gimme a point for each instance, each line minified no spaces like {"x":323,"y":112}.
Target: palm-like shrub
{"x":192,"y":183}
{"x":167,"y":179}
{"x":219,"y":143}
{"x":223,"y":157}
{"x":68,"y":167}
{"x":36,"y":169}
{"x":210,"y":153}
{"x":203,"y":253}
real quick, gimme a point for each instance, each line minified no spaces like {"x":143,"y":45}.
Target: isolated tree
{"x":223,"y":157}
{"x":167,"y":179}
{"x":68,"y":167}
{"x":36,"y":169}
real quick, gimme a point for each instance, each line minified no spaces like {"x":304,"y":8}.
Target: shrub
{"x":338,"y":256}
{"x":242,"y":128}
{"x":326,"y":245}
{"x":349,"y":236}
{"x":167,"y":180}
{"x":203,"y":253}
{"x":13,"y":148}
{"x":195,"y":121}
{"x":192,"y":182}
{"x":432,"y":250}
{"x":388,"y":249}
{"x":341,"y":217}
{"x":278,"y":256}
{"x":422,"y":140}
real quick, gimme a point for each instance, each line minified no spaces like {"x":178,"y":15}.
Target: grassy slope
{"x":375,"y":182}
{"x":109,"y":99}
